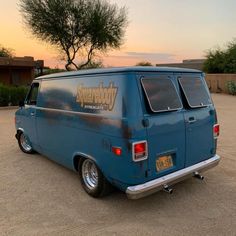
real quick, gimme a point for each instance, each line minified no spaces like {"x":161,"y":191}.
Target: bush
{"x":4,"y":95}
{"x":221,"y":60}
{"x":10,"y":96}
{"x":144,"y":63}
{"x":231,"y":85}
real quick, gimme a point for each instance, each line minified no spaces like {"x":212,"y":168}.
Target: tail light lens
{"x":139,"y":151}
{"x":216,"y":130}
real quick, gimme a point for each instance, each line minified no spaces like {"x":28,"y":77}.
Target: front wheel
{"x":92,"y":179}
{"x":24,"y":143}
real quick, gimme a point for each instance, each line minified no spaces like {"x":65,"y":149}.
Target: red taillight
{"x":117,"y":151}
{"x":216,"y":130}
{"x":139,"y":148}
{"x":139,"y":151}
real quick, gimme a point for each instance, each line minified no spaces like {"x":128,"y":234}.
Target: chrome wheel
{"x":25,"y":143}
{"x":90,"y":174}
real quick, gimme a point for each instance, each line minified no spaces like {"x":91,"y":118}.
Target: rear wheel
{"x":92,"y":179}
{"x":24,"y":143}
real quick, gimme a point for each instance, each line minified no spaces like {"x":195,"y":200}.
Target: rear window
{"x":195,"y":91}
{"x":161,"y":94}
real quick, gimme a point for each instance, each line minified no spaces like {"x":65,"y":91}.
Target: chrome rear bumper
{"x":142,"y":190}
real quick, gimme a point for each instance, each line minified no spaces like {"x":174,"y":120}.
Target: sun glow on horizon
{"x":159,"y":32}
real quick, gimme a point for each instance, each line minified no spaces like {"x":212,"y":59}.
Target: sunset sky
{"x":159,"y":31}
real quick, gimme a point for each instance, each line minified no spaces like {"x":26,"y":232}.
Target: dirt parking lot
{"x":39,"y":197}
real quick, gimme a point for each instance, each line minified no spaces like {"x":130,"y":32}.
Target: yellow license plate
{"x":164,"y":162}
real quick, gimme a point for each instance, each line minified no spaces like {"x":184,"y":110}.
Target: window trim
{"x":29,"y":94}
{"x":198,"y":106}
{"x":150,"y":105}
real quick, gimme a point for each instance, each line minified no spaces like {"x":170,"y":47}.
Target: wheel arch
{"x":79,"y":156}
{"x":19,"y":131}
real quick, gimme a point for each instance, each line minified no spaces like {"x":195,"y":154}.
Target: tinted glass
{"x":161,"y":94}
{"x":195,"y":91}
{"x":32,"y":98}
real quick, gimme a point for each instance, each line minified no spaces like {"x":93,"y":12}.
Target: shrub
{"x":17,"y":94}
{"x":12,"y":95}
{"x":221,"y":60}
{"x":231,"y":85}
{"x":4,"y":95}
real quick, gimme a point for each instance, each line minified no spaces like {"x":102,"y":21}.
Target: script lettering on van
{"x":97,"y":98}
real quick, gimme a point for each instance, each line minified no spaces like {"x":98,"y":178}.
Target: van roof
{"x":119,"y":70}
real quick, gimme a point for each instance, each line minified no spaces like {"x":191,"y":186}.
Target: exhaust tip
{"x":167,"y":189}
{"x":198,"y":176}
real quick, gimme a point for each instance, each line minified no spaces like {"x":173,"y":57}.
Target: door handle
{"x":192,"y":120}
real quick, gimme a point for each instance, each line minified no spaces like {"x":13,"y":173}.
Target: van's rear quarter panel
{"x":66,"y":127}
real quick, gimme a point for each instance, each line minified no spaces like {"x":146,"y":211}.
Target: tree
{"x":94,"y":64}
{"x":144,"y":63}
{"x":77,"y":28}
{"x":6,"y":52}
{"x":221,"y":60}
{"x":230,"y":58}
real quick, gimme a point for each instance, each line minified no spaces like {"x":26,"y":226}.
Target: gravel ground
{"x":39,"y":197}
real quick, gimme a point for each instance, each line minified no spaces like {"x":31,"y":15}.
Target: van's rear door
{"x":165,"y":123}
{"x":199,"y":118}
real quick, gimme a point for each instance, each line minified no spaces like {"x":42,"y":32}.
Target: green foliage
{"x":12,"y":95}
{"x":5,"y":52}
{"x":221,"y":61}
{"x":144,"y":63}
{"x":94,"y":65}
{"x":52,"y":71}
{"x":230,"y":58}
{"x":76,"y":27}
{"x":231,"y":85}
{"x":4,"y":95}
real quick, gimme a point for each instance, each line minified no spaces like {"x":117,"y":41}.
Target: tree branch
{"x":89,"y":56}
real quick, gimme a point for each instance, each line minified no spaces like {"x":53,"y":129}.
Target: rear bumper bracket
{"x":142,"y":190}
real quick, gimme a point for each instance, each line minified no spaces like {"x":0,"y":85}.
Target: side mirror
{"x":21,"y":104}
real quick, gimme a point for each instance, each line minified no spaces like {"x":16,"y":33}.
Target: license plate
{"x":164,"y":162}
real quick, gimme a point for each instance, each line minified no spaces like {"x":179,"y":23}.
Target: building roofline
{"x":20,"y":62}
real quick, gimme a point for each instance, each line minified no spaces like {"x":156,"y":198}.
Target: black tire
{"x":24,"y":143}
{"x":99,"y":189}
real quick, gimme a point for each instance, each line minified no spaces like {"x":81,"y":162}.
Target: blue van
{"x":140,"y":129}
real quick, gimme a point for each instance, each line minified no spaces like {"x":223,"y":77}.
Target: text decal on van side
{"x":97,"y":97}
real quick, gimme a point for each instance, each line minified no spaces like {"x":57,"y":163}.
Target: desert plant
{"x":221,"y":60}
{"x":17,"y":94}
{"x":231,"y":85}
{"x":6,"y":52}
{"x":12,"y":95}
{"x":4,"y":95}
{"x":79,"y":29}
{"x":144,"y":63}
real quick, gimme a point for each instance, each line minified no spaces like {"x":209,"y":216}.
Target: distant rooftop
{"x":21,"y":62}
{"x":194,"y":61}
{"x":189,"y":63}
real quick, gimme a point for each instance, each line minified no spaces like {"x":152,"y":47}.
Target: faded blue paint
{"x":62,"y":128}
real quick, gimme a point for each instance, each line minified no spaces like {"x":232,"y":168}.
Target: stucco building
{"x":190,"y":64}
{"x":19,"y":70}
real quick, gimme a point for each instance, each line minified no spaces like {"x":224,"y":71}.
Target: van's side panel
{"x":67,"y":125}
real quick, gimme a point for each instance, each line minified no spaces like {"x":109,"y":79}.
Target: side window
{"x":161,"y":94}
{"x":33,"y":94}
{"x":195,"y":91}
